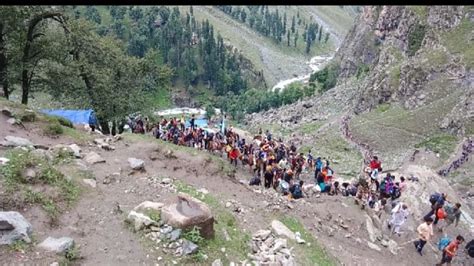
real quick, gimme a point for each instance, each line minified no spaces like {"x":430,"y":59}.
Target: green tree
{"x":327,"y":37}
{"x":295,"y":39}
{"x":293,"y":24}
{"x":92,"y":14}
{"x":288,"y":37}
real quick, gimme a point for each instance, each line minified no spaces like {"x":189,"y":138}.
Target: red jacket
{"x":375,"y":164}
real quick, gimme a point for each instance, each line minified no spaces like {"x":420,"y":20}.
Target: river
{"x":315,"y":64}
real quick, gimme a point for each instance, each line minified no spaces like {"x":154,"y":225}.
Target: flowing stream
{"x":315,"y":64}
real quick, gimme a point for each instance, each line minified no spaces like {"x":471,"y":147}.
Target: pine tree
{"x":288,"y":36}
{"x":320,"y":33}
{"x":296,"y":37}
{"x":191,"y":10}
{"x":293,"y":24}
{"x":327,"y":37}
{"x":308,"y":43}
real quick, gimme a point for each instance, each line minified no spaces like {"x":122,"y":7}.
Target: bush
{"x":65,"y":122}
{"x":362,"y":69}
{"x":327,"y":77}
{"x":27,"y":116}
{"x":415,"y":38}
{"x":53,"y":129}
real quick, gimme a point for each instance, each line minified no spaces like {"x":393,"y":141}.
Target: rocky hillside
{"x":404,"y":91}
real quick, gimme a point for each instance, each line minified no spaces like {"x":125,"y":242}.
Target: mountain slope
{"x":277,"y":61}
{"x":404,"y":92}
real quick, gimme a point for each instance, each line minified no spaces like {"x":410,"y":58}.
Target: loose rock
{"x":76,"y":150}
{"x":136,"y":164}
{"x":139,"y":220}
{"x":12,"y":141}
{"x":90,"y":182}
{"x":189,"y":247}
{"x":373,"y":246}
{"x":57,"y":245}
{"x":281,"y":230}
{"x":22,"y":229}
{"x":93,"y":158}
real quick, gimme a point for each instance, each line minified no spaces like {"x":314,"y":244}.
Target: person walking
{"x":399,"y":216}
{"x":425,"y":232}
{"x":453,"y":214}
{"x":450,"y":251}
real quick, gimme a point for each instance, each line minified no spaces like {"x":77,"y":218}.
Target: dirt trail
{"x":102,"y":237}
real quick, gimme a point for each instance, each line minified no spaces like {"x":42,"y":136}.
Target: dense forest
{"x":278,"y":27}
{"x":118,"y":60}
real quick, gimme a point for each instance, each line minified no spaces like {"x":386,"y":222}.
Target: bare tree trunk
{"x":3,"y":64}
{"x":27,"y":72}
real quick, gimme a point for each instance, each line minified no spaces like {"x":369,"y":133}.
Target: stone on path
{"x":139,"y":220}
{"x":136,"y":164}
{"x":189,"y":247}
{"x":12,"y":141}
{"x":188,"y":212}
{"x":90,"y":182}
{"x":15,"y":227}
{"x":373,"y":246}
{"x":281,"y":230}
{"x":57,"y":245}
{"x":76,"y":150}
{"x":261,"y":234}
{"x":393,"y":247}
{"x":93,"y":158}
{"x":217,"y":262}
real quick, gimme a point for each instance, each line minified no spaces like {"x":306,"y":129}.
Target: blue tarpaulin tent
{"x":75,"y":116}
{"x":198,"y":123}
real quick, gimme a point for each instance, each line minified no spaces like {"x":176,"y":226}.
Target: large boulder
{"x":12,"y":141}
{"x":188,"y":212}
{"x":136,"y":164}
{"x":57,"y":245}
{"x":14,"y":227}
{"x":281,"y":230}
{"x":93,"y":158}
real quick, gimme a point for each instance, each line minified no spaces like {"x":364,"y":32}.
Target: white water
{"x":184,"y":110}
{"x":316,"y":63}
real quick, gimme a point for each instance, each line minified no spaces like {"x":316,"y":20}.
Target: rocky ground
{"x":117,"y":175}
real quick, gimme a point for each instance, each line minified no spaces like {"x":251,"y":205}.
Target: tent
{"x":198,"y":123}
{"x":75,"y":116}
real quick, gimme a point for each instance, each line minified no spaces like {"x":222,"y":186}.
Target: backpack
{"x":443,"y":243}
{"x":297,"y":193}
{"x":396,"y":193}
{"x":470,"y":248}
{"x":255,"y":181}
{"x":434,"y":197}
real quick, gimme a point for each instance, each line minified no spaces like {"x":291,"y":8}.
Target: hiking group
{"x":281,"y":167}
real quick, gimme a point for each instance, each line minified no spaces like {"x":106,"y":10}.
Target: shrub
{"x":327,"y":77}
{"x":415,"y":38}
{"x":53,"y":129}
{"x":27,"y":116}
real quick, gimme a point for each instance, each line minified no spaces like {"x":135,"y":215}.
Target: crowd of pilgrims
{"x":281,"y":167}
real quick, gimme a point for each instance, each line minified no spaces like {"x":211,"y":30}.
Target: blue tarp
{"x":75,"y":116}
{"x":198,"y":123}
